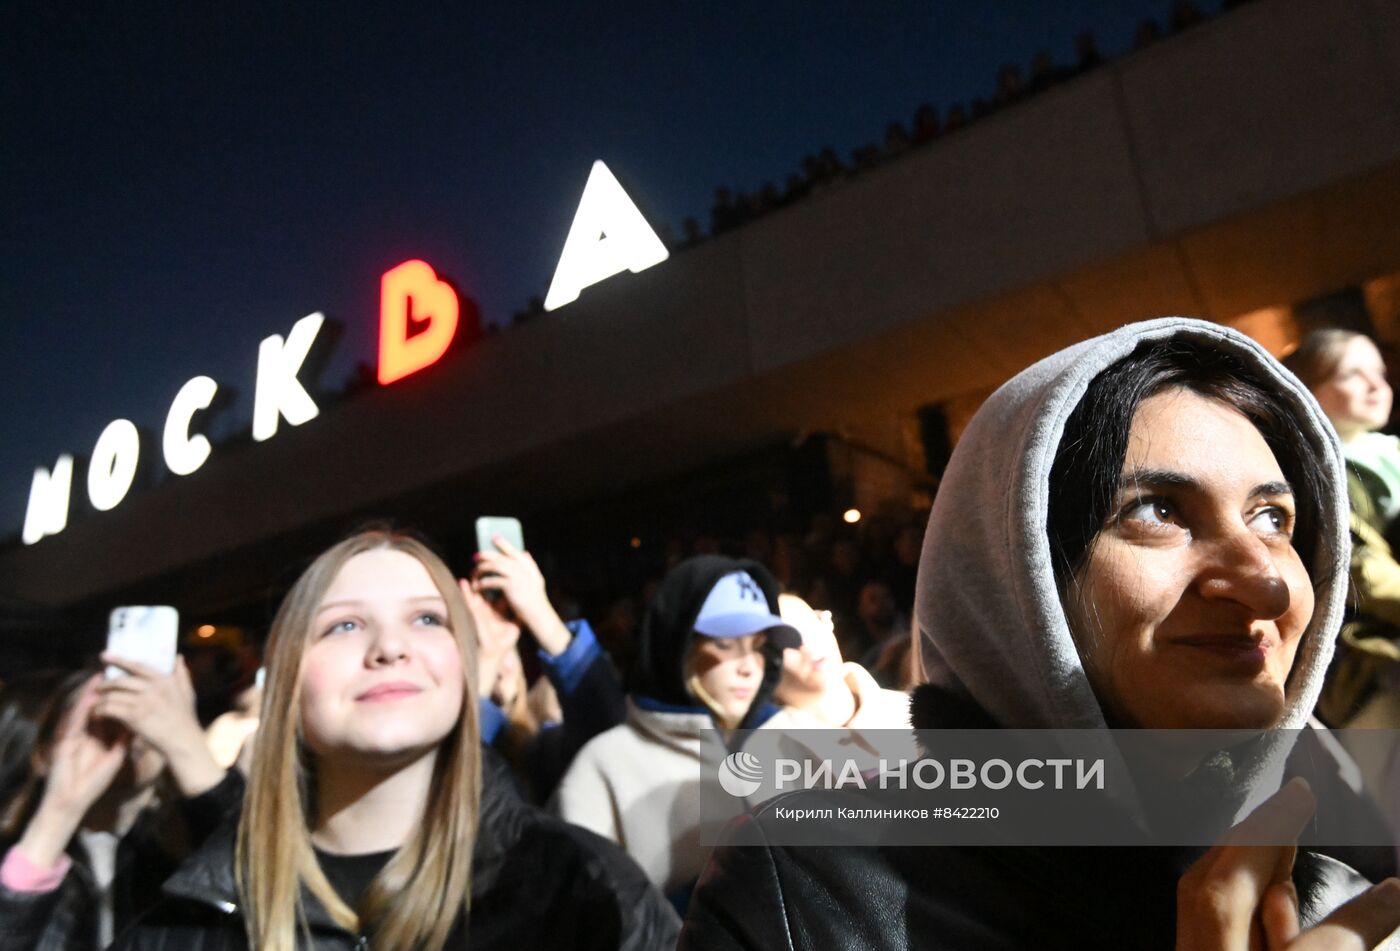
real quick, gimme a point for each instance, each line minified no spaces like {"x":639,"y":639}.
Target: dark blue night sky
{"x":178,"y":182}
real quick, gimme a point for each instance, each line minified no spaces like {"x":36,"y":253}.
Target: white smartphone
{"x":146,"y":634}
{"x":488,"y":526}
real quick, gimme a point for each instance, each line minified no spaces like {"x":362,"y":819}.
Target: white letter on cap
{"x":185,"y":453}
{"x":278,"y":391}
{"x":47,"y":513}
{"x":608,"y":235}
{"x":113,"y":464}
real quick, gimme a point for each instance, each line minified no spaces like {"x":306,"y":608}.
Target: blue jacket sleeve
{"x":569,"y":668}
{"x":590,"y":693}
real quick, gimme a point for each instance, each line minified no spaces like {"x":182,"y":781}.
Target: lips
{"x":389,"y":692}
{"x":1242,"y":650}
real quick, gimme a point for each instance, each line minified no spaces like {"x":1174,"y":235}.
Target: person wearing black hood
{"x":708,"y":658}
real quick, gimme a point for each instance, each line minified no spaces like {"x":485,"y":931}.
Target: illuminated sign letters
{"x":113,"y":464}
{"x":117,"y":453}
{"x":279,"y":393}
{"x":185,"y":453}
{"x":48,"y":501}
{"x":413,"y":291}
{"x":608,"y":236}
{"x":418,"y":317}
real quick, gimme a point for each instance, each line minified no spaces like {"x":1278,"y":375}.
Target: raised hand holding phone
{"x":511,"y":571}
{"x":148,"y":691}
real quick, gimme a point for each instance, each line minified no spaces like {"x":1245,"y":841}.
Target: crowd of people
{"x":1147,"y":530}
{"x":861,"y":575}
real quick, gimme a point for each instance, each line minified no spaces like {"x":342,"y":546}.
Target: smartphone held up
{"x":145,"y":634}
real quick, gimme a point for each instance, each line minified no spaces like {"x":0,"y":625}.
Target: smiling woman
{"x":1182,"y":567}
{"x":362,"y":824}
{"x":1145,"y":530}
{"x":383,"y":673}
{"x":367,"y":668}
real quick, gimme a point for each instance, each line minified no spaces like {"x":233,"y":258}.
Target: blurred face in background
{"x":725,"y":674}
{"x":382,"y":678}
{"x":876,"y":605}
{"x":1356,"y":397}
{"x":815,"y":667}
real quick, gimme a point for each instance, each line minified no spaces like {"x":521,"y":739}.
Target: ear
{"x":39,"y":760}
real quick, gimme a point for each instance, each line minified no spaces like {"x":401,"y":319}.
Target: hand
{"x":84,"y":759}
{"x":159,"y":708}
{"x":515,"y":575}
{"x":1241,"y":897}
{"x":496,"y":636}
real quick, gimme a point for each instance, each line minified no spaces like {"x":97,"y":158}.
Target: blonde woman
{"x":367,"y":821}
{"x":1347,"y":374}
{"x":707,"y":659}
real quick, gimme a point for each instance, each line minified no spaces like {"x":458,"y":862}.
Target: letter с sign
{"x":608,"y":235}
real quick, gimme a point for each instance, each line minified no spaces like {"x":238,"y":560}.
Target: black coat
{"x":66,"y":918}
{"x":537,"y":882}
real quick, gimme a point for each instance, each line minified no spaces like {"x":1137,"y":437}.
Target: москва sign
{"x":608,"y":235}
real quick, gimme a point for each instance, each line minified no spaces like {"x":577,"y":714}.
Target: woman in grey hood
{"x":1147,"y":529}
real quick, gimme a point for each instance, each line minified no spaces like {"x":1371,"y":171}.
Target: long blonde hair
{"x":416,"y":899}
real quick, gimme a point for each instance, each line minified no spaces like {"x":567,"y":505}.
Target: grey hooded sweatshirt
{"x":989,"y":619}
{"x":993,"y":639}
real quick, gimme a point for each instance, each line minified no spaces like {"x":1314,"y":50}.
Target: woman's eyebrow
{"x":1164,"y":478}
{"x":1170,"y":478}
{"x":1271,"y":488}
{"x":347,"y":603}
{"x":355,"y":602}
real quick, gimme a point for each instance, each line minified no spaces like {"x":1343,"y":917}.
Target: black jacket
{"x":66,"y":918}
{"x":536,"y":883}
{"x":595,"y":705}
{"x":757,"y":895}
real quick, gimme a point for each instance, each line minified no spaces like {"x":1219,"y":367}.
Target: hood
{"x":658,"y":671}
{"x":680,"y":729}
{"x":989,"y":623}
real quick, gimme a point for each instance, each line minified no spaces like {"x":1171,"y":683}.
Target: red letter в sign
{"x":413,"y":290}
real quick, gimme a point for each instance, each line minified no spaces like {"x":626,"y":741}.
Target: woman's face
{"x":729,"y":670}
{"x":1192,"y":602}
{"x":815,"y":667}
{"x":1357,"y":397}
{"x":382,"y":679}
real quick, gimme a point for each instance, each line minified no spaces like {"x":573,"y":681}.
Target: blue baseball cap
{"x":737,"y":607}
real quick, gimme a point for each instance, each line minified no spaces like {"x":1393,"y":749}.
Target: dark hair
{"x":1086,"y":476}
{"x":31,"y":709}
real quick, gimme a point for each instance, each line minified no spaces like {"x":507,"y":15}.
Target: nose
{"x":389,"y":645}
{"x":750,"y":661}
{"x":1241,"y":568}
